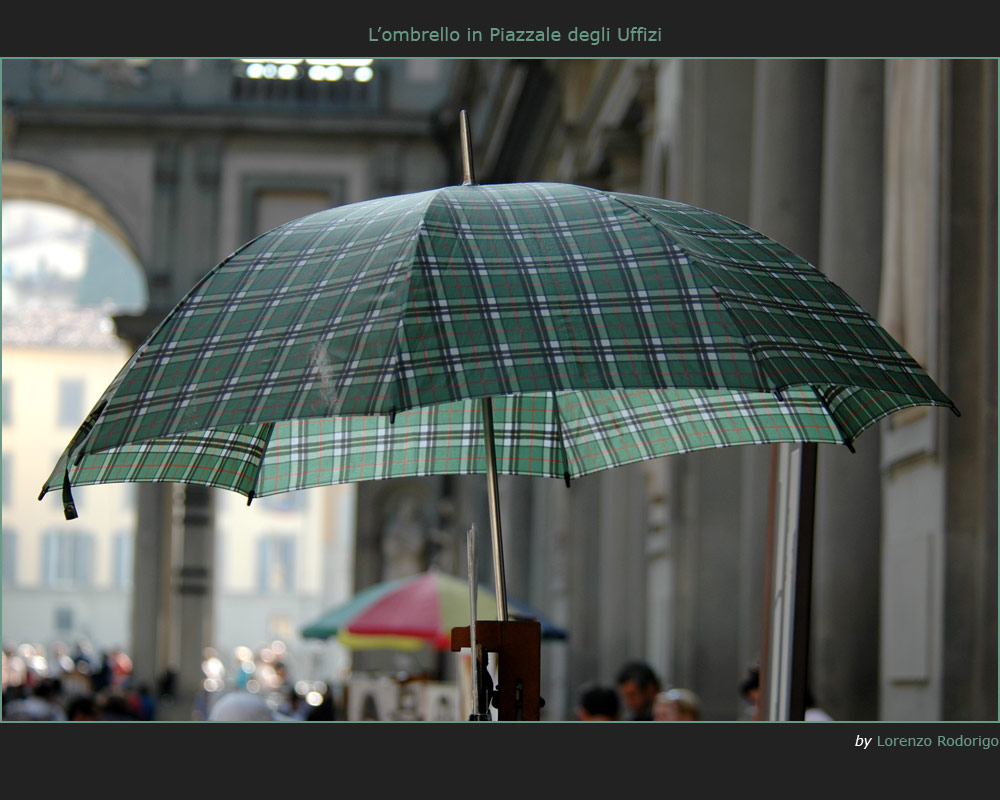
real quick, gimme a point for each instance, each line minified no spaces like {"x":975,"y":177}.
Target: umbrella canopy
{"x":407,"y":613}
{"x":356,"y":344}
{"x":533,"y":328}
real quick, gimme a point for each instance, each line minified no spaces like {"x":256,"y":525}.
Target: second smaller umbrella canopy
{"x":407,"y":613}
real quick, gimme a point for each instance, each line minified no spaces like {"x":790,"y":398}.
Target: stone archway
{"x":23,"y":180}
{"x":32,"y":183}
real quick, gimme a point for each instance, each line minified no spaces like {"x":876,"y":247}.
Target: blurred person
{"x":369,"y":709}
{"x":407,"y":702}
{"x":141,"y":703}
{"x":38,"y":705}
{"x":292,"y":705}
{"x":241,"y":706}
{"x":813,"y":712}
{"x":15,"y":673}
{"x":638,"y":686}
{"x":121,"y":668}
{"x":326,"y":711}
{"x":100,"y":678}
{"x":83,"y":656}
{"x":677,"y":705}
{"x":76,"y":682}
{"x":113,"y":706}
{"x":597,"y":704}
{"x":166,"y":685}
{"x":61,"y":663}
{"x":12,"y":693}
{"x":444,"y":709}
{"x":81,"y":708}
{"x":750,"y":692}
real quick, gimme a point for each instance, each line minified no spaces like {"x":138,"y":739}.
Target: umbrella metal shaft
{"x":468,"y":171}
{"x":494,"y":498}
{"x":469,"y":179}
{"x":477,"y":712}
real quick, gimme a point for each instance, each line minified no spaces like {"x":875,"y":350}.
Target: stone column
{"x":149,"y":647}
{"x":913,"y":466}
{"x":185,"y":244}
{"x":712,"y":164}
{"x":621,"y":569}
{"x":717,"y":595}
{"x":970,"y":612}
{"x":551,"y":581}
{"x":151,"y":616}
{"x":786,"y":153}
{"x":785,"y":173}
{"x":582,"y":506}
{"x":848,"y":498}
{"x":193,"y":591}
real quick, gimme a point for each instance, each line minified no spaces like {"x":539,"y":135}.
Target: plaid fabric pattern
{"x":800,"y":327}
{"x":608,"y":327}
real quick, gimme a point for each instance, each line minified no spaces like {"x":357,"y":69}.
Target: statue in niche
{"x":404,"y":541}
{"x":442,"y":545}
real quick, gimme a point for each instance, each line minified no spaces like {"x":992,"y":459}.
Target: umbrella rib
{"x":260,"y":466}
{"x":905,"y":384}
{"x":763,"y":372}
{"x":398,"y":400}
{"x":559,"y":439}
{"x":840,"y":428}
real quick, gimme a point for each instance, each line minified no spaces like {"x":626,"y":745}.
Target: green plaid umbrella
{"x":356,"y":343}
{"x":536,"y":329}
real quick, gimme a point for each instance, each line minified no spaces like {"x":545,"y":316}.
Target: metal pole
{"x":477,"y":711}
{"x":787,"y":662}
{"x":468,"y":174}
{"x":469,"y":179}
{"x":494,"y":497}
{"x":803,"y":582}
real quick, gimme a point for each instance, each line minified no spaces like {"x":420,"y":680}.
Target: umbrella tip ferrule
{"x":566,"y":478}
{"x":468,"y":173}
{"x":250,"y":498}
{"x":69,"y":506}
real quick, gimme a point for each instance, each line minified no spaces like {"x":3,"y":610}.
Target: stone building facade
{"x":882,"y":173}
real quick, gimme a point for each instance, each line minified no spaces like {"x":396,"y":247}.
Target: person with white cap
{"x":677,"y":705}
{"x":242,"y":706}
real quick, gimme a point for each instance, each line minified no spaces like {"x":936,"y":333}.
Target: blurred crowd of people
{"x":640,"y":696}
{"x":62,"y":683}
{"x":77,"y":684}
{"x":72,"y":684}
{"x":262,"y":679}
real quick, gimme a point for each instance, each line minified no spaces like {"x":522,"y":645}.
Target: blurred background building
{"x":882,"y":173}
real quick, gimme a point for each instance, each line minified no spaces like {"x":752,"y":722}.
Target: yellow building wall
{"x":33,"y":439}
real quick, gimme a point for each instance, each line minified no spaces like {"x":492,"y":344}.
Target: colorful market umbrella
{"x":411,"y":612}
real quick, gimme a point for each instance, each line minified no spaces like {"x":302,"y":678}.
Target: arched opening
{"x":70,"y":276}
{"x":68,"y":266}
{"x":61,"y":246}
